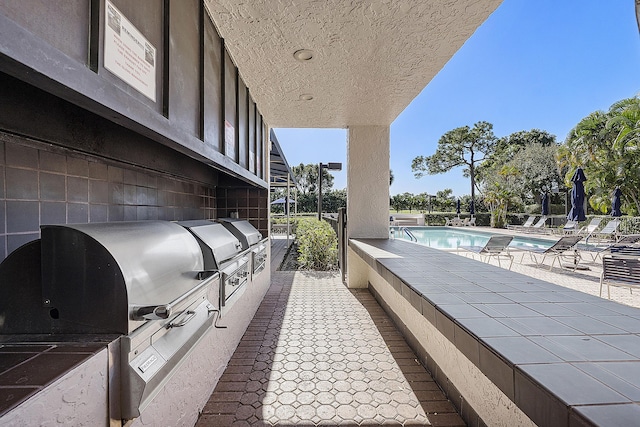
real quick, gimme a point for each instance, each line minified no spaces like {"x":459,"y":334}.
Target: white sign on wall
{"x":128,"y":54}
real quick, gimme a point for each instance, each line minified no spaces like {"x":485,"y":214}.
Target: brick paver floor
{"x":317,"y":353}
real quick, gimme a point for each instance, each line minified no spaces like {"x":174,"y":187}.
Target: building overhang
{"x":370,"y":59}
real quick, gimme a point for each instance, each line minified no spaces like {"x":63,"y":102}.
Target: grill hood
{"x":243,"y":230}
{"x":217,"y":243}
{"x":99,"y":278}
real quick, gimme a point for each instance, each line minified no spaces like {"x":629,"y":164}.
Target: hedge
{"x":317,"y":245}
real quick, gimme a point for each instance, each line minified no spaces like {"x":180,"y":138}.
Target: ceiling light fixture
{"x":306,"y":97}
{"x":303,"y":55}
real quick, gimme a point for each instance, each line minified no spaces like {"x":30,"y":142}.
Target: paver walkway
{"x":317,"y":353}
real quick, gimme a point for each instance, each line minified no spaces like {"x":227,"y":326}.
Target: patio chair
{"x":471,"y":222}
{"x":608,"y":232}
{"x":528,"y":223}
{"x":497,"y":247}
{"x":447,"y":221}
{"x":456,"y":222}
{"x":558,"y":250}
{"x":626,"y":245}
{"x":621,"y":271}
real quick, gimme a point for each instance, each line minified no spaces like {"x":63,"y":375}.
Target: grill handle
{"x":152,"y":312}
{"x":187,"y":316}
{"x":163,"y":311}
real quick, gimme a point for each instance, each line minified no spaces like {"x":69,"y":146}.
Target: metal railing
{"x":412,"y":237}
{"x":339,"y":223}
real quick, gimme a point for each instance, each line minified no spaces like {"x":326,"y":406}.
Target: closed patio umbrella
{"x":616,"y":202}
{"x":458,"y":207}
{"x":545,"y":204}
{"x":472,"y":208}
{"x":577,"y":197}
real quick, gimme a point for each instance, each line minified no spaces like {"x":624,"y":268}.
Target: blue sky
{"x":542,"y":64}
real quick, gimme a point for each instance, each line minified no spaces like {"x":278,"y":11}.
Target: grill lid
{"x":243,"y":230}
{"x":217,"y":243}
{"x":98,"y":276}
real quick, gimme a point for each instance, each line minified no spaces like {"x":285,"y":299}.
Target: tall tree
{"x":307,"y":179}
{"x":509,"y":146}
{"x":463,"y":146}
{"x":444,"y":200}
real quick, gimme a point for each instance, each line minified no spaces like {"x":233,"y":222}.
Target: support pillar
{"x":367,"y":191}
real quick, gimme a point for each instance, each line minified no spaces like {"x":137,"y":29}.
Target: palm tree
{"x":606,"y":146}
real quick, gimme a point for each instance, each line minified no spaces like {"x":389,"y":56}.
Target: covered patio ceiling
{"x":370,"y":59}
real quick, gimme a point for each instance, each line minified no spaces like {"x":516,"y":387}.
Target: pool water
{"x":447,"y":238}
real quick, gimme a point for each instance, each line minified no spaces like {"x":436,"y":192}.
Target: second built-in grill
{"x":222,"y":252}
{"x":251,"y":240}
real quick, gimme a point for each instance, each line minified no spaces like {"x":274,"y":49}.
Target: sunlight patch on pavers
{"x":330,"y":363}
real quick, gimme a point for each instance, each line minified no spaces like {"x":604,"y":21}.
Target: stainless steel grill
{"x":243,"y":230}
{"x":146,"y":280}
{"x":144,"y":286}
{"x":251,"y":240}
{"x":223,"y":252}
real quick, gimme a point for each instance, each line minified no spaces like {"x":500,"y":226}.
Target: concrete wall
{"x":478,"y":391}
{"x":473,"y":393}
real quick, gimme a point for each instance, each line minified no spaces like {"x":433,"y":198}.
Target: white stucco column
{"x":367,"y":191}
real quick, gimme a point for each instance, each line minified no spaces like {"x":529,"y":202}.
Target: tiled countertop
{"x":30,"y":363}
{"x":564,"y":357}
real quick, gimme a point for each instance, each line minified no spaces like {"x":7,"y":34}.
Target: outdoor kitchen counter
{"x":562,"y":356}
{"x":30,"y":364}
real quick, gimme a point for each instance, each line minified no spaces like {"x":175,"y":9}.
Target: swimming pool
{"x":448,"y":238}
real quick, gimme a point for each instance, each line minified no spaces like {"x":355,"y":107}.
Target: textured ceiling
{"x":371,"y":57}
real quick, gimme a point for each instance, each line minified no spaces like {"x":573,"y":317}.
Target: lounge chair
{"x":609,"y":232}
{"x":620,"y":271}
{"x":626,"y":245}
{"x":539,"y":227}
{"x":558,"y":250}
{"x":528,"y":223}
{"x":471,"y":222}
{"x":447,"y":221}
{"x":591,"y":227}
{"x":570,"y":227}
{"x":497,"y":247}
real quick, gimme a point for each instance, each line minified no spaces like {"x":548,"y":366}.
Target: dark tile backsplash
{"x":21,"y":156}
{"x":22,"y":184}
{"x":44,"y":185}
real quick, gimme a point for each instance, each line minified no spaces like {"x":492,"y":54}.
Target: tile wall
{"x":250,"y":204}
{"x":42,"y":184}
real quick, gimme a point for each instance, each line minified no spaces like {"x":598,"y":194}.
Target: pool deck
{"x":587,"y":281}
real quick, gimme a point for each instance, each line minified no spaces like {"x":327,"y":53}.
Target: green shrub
{"x":317,"y":245}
